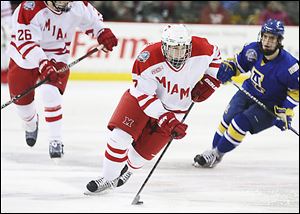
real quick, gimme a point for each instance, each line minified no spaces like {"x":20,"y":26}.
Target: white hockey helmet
{"x":176,"y":44}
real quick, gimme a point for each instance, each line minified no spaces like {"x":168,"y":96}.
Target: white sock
{"x":116,"y":153}
{"x":28,"y":114}
{"x":53,"y":112}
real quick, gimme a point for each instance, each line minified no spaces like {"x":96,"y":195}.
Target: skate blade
{"x":197,"y":165}
{"x":95,"y":193}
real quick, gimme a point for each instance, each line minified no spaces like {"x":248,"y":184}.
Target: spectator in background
{"x":214,"y":13}
{"x":241,"y":13}
{"x":292,"y":8}
{"x":275,"y":10}
{"x":185,"y":12}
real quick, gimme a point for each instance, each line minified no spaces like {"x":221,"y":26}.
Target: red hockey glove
{"x":205,"y":88}
{"x":108,"y":39}
{"x":48,"y":70}
{"x":59,"y":66}
{"x":170,"y":126}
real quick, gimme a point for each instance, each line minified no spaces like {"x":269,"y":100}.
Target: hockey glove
{"x":285,"y":115}
{"x":226,"y":71}
{"x":170,"y":126}
{"x":48,"y":70}
{"x":205,"y":88}
{"x":61,"y":67}
{"x":107,"y":39}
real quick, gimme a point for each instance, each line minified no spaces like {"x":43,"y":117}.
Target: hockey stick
{"x":262,"y":105}
{"x":136,"y":199}
{"x":45,"y":80}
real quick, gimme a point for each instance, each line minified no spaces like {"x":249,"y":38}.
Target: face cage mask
{"x":64,"y":7}
{"x":176,"y":57}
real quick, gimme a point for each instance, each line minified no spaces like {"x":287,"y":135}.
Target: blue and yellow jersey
{"x":274,"y":82}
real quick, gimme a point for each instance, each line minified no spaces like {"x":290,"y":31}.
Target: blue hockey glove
{"x":285,"y":115}
{"x":226,"y":71}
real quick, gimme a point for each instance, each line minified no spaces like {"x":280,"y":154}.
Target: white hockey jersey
{"x":159,"y":88}
{"x":41,"y":33}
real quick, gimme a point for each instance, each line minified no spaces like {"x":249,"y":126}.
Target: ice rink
{"x":261,"y":175}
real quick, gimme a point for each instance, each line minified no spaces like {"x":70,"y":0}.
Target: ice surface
{"x":261,"y":175}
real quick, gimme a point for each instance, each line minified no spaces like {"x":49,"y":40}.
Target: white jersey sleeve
{"x":91,"y":21}
{"x":215,"y":62}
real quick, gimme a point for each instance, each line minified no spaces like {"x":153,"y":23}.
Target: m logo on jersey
{"x":29,"y":5}
{"x":251,"y":55}
{"x":128,"y":122}
{"x":142,"y":57}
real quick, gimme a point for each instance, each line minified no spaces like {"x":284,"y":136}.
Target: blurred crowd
{"x":198,"y":12}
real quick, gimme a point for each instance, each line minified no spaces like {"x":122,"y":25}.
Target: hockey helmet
{"x":273,"y":26}
{"x":176,"y":44}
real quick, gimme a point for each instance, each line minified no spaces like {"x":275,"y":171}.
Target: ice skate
{"x":32,"y":136}
{"x":101,"y":184}
{"x":56,"y":149}
{"x":208,"y":159}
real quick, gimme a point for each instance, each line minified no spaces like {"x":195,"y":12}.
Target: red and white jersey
{"x":159,"y":88}
{"x":41,"y":33}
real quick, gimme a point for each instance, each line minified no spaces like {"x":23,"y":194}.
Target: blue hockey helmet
{"x":273,"y":26}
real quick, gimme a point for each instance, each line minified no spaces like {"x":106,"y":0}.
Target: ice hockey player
{"x":40,"y":46}
{"x":274,"y":81}
{"x":5,"y":37}
{"x":167,"y":77}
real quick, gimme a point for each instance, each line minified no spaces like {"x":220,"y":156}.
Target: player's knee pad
{"x":134,"y":159}
{"x":50,"y":95}
{"x":119,"y":139}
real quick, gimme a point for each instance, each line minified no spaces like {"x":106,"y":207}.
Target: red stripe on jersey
{"x":23,"y":45}
{"x":28,"y":50}
{"x":52,"y":109}
{"x":53,"y":119}
{"x":85,"y":3}
{"x":114,"y":150}
{"x":26,"y":15}
{"x":140,"y":98}
{"x":15,"y":46}
{"x":214,"y":65}
{"x":114,"y":159}
{"x":148,"y":103}
{"x":201,"y":47}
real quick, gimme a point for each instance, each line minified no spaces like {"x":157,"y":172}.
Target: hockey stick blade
{"x":136,"y":200}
